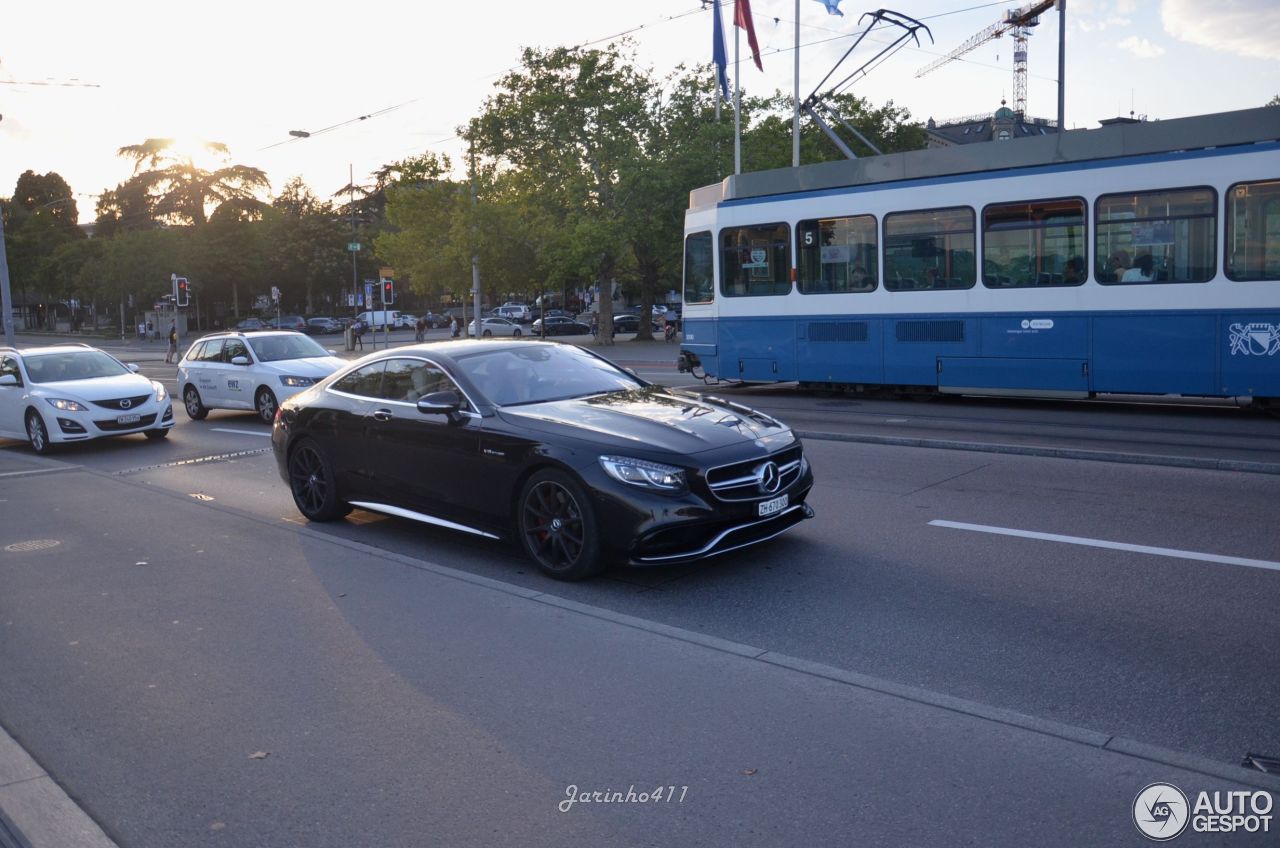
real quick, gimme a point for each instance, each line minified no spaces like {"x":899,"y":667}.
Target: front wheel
{"x":556,"y":525}
{"x":37,"y":434}
{"x":196,"y":410}
{"x":314,"y":485}
{"x":515,"y":333}
{"x":265,"y":403}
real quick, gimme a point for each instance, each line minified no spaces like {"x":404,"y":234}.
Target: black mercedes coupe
{"x":582,"y":462}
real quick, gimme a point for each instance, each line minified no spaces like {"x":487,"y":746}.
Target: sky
{"x":78,"y":80}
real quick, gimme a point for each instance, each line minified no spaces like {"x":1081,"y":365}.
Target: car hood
{"x":653,"y":418}
{"x":98,"y":388}
{"x":317,"y":366}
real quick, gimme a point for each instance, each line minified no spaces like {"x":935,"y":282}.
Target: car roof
{"x":66,"y":347}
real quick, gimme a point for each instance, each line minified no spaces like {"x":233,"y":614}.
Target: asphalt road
{"x":188,"y":618}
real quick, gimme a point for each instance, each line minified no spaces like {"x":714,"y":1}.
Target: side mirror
{"x":240,"y":360}
{"x":133,"y":366}
{"x":441,"y":403}
{"x":9,"y":380}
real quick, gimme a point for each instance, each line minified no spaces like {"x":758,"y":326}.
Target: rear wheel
{"x":265,"y":402}
{"x":313,"y":484}
{"x":488,"y":334}
{"x":557,"y":526}
{"x":37,"y":434}
{"x":196,"y":410}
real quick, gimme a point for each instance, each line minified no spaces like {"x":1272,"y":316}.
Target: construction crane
{"x":1019,"y":21}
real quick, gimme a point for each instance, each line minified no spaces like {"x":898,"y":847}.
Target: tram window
{"x":1038,"y":243}
{"x":699,"y":274}
{"x":836,"y":255}
{"x":929,"y":250}
{"x":1156,"y":237}
{"x":755,"y":261}
{"x":1253,"y":231}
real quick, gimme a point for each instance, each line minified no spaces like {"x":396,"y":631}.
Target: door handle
{"x":381,"y":415}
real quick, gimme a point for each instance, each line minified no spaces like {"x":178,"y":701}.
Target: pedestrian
{"x":421,"y":328}
{"x":171,"y":355}
{"x":357,"y":333}
{"x":455,"y":327}
{"x":595,"y":326}
{"x":142,"y":331}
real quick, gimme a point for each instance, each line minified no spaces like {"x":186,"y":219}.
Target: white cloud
{"x":1244,"y":27}
{"x":1141,"y":48}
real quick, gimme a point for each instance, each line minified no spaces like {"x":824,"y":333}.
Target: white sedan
{"x":495,"y":327}
{"x":73,"y":393}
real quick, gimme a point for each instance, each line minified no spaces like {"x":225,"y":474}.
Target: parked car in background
{"x":518,"y":312}
{"x":496,"y":327}
{"x":406,"y":321}
{"x":250,"y":371}
{"x":322,"y":326}
{"x":628,"y":323}
{"x":559,"y":326}
{"x":379,"y":318}
{"x":436,"y":320}
{"x":73,"y":393}
{"x":252,"y":324}
{"x":288,"y":322}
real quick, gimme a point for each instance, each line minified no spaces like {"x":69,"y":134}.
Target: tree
{"x":40,"y":218}
{"x":574,"y":122}
{"x":308,"y":244}
{"x":181,"y":191}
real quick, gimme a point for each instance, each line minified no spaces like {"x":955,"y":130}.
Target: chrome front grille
{"x":741,"y":480}
{"x":122,"y":403}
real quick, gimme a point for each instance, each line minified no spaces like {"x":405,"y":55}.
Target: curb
{"x":35,"y":812}
{"x":1202,"y":463}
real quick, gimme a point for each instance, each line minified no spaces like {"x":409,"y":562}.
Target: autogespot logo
{"x":1160,"y":812}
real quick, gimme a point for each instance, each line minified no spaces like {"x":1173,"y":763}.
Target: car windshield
{"x":534,"y":374}
{"x":72,"y":365}
{"x":273,"y":348}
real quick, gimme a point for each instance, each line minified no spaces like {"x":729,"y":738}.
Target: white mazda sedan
{"x":255,"y":370}
{"x":73,"y":393}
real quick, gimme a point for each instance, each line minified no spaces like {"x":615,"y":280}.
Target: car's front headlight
{"x":161,"y":393}
{"x":297,"y":382}
{"x":645,"y":474}
{"x":67,"y":405}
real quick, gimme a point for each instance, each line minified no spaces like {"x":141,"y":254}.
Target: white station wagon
{"x":73,"y":393}
{"x":254,"y":370}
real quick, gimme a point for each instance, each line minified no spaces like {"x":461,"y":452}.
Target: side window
{"x":231,"y":348}
{"x":9,"y":365}
{"x":699,"y":269}
{"x":755,"y":261}
{"x":408,"y":380}
{"x":1039,"y":243}
{"x":1156,"y":237}
{"x":193,"y":354}
{"x":929,"y":250}
{"x":210,"y":352}
{"x":837,"y":255}
{"x":1253,"y":231}
{"x":365,"y":381}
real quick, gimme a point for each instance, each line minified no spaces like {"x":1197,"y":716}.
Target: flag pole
{"x":737,"y":104}
{"x":795,"y":124}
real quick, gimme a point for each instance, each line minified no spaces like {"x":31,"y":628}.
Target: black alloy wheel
{"x":37,"y":434}
{"x":265,"y":402}
{"x":557,"y":526}
{"x":314,"y":485}
{"x":196,"y":410}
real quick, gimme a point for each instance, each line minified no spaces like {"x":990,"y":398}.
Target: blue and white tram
{"x":1138,"y":258}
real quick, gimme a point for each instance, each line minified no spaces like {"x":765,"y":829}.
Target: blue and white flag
{"x":718,"y":54}
{"x":833,"y":7}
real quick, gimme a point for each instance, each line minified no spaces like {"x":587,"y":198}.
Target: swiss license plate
{"x":772,"y":505}
{"x":133,"y":418}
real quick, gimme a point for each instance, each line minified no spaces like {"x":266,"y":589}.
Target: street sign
{"x":351,"y":300}
{"x":353,"y":246}
{"x":275,"y":294}
{"x":368,"y":291}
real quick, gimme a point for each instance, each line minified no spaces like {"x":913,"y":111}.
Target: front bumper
{"x":65,"y":426}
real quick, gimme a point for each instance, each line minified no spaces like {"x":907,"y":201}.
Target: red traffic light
{"x":388,"y":291}
{"x":184,"y":292}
